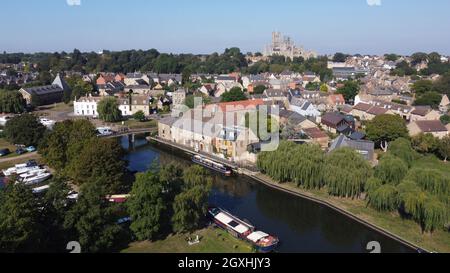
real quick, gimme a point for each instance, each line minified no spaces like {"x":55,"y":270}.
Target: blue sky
{"x":205,"y":26}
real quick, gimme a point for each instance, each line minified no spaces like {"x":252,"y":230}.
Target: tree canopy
{"x":386,"y":128}
{"x":108,"y":110}
{"x":235,"y":94}
{"x":25,"y":129}
{"x":12,"y":102}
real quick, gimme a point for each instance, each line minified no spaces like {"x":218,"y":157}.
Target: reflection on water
{"x":302,"y":225}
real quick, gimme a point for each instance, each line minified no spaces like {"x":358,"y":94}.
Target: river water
{"x":302,"y":225}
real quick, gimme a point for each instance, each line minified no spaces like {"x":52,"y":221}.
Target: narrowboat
{"x":218,"y":167}
{"x":240,"y":229}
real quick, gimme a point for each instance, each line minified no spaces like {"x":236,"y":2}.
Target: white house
{"x":304,"y":107}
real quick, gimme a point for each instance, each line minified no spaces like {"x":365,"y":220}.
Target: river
{"x":303,"y":226}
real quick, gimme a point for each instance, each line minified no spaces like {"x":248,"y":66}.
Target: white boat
{"x":47,"y":122}
{"x":41,"y":189}
{"x":36,"y":179}
{"x":32,"y":173}
{"x":27,"y":169}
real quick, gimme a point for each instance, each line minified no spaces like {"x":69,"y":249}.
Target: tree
{"x":54,"y":209}
{"x":444,"y":148}
{"x":349,"y":90}
{"x":421,"y":87}
{"x":93,"y":219}
{"x":19,"y":219}
{"x":235,"y":94}
{"x":386,"y":128}
{"x":425,"y":143}
{"x":340,"y":57}
{"x":12,"y":102}
{"x":432,"y":99}
{"x":108,"y":110}
{"x":391,"y":57}
{"x":66,"y":142}
{"x":259,"y":89}
{"x":146,"y":206}
{"x":324,"y":88}
{"x":346,"y":173}
{"x":445,"y":119}
{"x":435,"y":215}
{"x":139,"y":115}
{"x":191,"y":205}
{"x":25,"y":129}
{"x":384,"y":198}
{"x":191,"y":100}
{"x":391,"y":169}
{"x":402,"y":149}
{"x":99,"y":158}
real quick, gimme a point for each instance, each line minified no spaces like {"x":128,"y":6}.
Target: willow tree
{"x":384,"y":198}
{"x":372,"y":185}
{"x":432,"y":181}
{"x":277,"y":164}
{"x":307,"y":166}
{"x":391,"y":169}
{"x":302,"y":164}
{"x":435,"y":215}
{"x":402,"y":148}
{"x":411,"y":199}
{"x":345,"y":173}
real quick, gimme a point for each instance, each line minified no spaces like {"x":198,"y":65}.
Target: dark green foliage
{"x":391,"y":169}
{"x":139,"y":115}
{"x":425,"y":143}
{"x":432,"y":181}
{"x":65,"y":142}
{"x":19,"y":219}
{"x":12,"y":102}
{"x":386,"y":128}
{"x":444,"y":148}
{"x":349,"y":90}
{"x":93,"y":219}
{"x":108,"y":110}
{"x":340,"y":57}
{"x":235,"y":94}
{"x":25,"y":129}
{"x":445,"y":119}
{"x":99,"y":159}
{"x":146,"y":206}
{"x":432,"y":99}
{"x":346,"y":173}
{"x":259,"y":89}
{"x":372,"y":185}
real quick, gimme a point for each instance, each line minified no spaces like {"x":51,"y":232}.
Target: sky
{"x":206,"y":26}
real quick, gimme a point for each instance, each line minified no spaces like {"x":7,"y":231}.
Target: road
{"x":19,"y":157}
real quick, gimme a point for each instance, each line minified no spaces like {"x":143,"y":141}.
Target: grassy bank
{"x":212,"y":241}
{"x":14,"y":161}
{"x":409,"y":230}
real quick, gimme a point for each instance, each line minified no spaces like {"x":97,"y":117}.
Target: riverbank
{"x":391,"y":224}
{"x":211,"y":241}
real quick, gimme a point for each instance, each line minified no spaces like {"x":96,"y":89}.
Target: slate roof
{"x":430,"y":126}
{"x":365,"y":148}
{"x":44,"y":90}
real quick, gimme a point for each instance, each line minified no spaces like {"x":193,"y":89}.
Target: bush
{"x":25,"y":129}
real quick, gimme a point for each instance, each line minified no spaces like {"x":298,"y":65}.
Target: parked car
{"x":31,"y":149}
{"x":21,"y":151}
{"x":4,"y":152}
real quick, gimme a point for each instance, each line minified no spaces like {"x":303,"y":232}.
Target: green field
{"x":212,"y":241}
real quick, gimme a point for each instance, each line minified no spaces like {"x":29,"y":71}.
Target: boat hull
{"x":226,"y":172}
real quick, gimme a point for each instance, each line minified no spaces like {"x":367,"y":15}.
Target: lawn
{"x":13,"y":161}
{"x":409,"y":230}
{"x":4,"y":144}
{"x":212,"y":241}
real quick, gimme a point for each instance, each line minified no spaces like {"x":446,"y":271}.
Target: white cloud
{"x":73,"y":2}
{"x":374,"y":3}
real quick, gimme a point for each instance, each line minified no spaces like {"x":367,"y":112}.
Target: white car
{"x":47,"y":122}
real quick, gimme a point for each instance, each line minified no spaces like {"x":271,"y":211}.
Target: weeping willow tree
{"x":432,"y":181}
{"x":384,"y":198}
{"x":402,"y":148}
{"x":391,"y":169}
{"x":372,"y":185}
{"x":434,"y":216}
{"x":302,"y":164}
{"x":411,"y":199}
{"x":346,"y":173}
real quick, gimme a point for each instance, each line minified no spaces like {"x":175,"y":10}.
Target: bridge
{"x":131,"y":132}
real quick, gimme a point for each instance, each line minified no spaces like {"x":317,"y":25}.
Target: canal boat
{"x":218,"y":167}
{"x":240,"y":229}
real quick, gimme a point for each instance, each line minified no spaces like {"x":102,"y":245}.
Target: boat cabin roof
{"x":222,"y":217}
{"x":256,"y":236}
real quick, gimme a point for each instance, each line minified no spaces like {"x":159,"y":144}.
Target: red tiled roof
{"x":236,"y":105}
{"x":429,"y":126}
{"x":377,"y":111}
{"x":362,"y":106}
{"x":315,"y":133}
